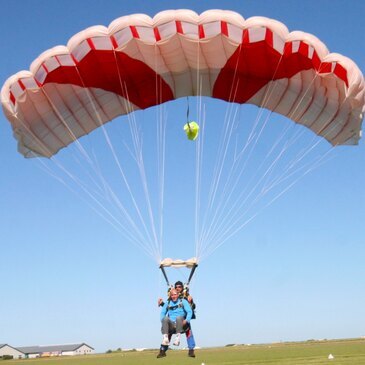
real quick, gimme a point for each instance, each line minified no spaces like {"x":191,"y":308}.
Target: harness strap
{"x":173,"y":307}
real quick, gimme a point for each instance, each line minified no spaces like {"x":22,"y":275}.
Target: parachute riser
{"x":165,"y":276}
{"x":192,"y":273}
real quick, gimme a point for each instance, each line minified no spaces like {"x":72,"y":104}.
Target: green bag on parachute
{"x":191,"y":129}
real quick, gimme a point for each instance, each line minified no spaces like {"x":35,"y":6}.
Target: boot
{"x":162,"y":353}
{"x":191,"y":353}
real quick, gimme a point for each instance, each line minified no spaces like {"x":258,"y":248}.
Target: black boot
{"x":191,"y":353}
{"x":162,"y":353}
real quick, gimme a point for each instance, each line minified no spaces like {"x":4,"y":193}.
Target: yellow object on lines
{"x":192,"y":130}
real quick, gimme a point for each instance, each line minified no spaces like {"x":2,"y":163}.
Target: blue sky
{"x":294,"y":273}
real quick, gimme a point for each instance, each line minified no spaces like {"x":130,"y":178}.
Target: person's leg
{"x":179,"y":330}
{"x":167,"y":328}
{"x":190,"y":339}
{"x":180,"y":324}
{"x":162,"y":353}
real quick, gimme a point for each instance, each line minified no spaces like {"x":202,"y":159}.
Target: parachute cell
{"x":138,"y":62}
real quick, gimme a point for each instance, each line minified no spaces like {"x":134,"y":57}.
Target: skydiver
{"x":176,"y":314}
{"x":183,"y":294}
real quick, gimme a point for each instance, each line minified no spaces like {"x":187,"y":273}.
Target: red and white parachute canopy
{"x":71,"y":90}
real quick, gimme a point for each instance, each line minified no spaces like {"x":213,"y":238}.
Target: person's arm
{"x":160,"y":302}
{"x":191,"y":301}
{"x":163,"y":311}
{"x":188,"y":310}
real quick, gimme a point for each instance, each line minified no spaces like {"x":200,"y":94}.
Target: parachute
{"x":138,"y":62}
{"x":149,"y":61}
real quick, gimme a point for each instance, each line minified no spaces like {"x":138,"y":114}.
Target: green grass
{"x":346,"y":352}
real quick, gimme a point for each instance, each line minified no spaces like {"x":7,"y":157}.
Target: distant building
{"x":56,"y":350}
{"x":11,"y":351}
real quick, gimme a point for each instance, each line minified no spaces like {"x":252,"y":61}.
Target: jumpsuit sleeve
{"x":188,"y":310}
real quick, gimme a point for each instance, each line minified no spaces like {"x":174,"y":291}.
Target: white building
{"x":8,"y":350}
{"x":56,"y":350}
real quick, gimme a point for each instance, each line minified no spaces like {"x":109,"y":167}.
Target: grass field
{"x":345,"y":352}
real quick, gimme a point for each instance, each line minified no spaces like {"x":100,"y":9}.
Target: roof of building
{"x":5,"y":344}
{"x":51,"y":348}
